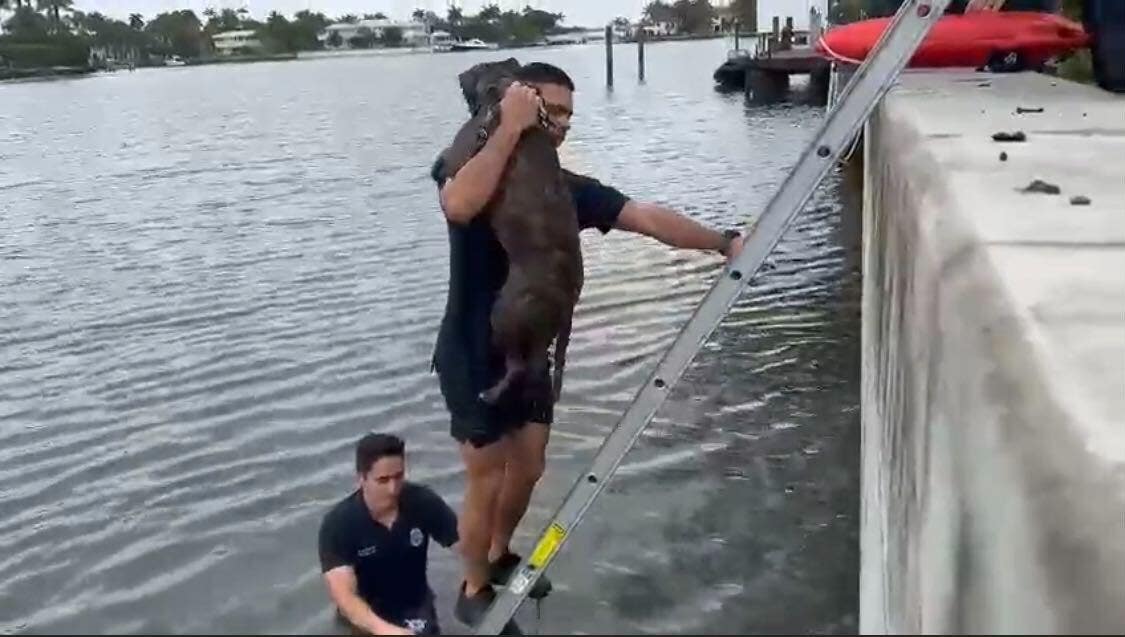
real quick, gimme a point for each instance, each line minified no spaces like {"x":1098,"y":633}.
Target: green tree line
{"x":43,"y":36}
{"x":53,"y":32}
{"x":491,"y":24}
{"x":685,"y":16}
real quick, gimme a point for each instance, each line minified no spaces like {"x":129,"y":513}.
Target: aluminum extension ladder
{"x":871,"y":82}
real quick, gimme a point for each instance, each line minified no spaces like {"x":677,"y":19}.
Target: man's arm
{"x":342,"y":588}
{"x":339,"y":576}
{"x":465,"y":193}
{"x":672,"y":228}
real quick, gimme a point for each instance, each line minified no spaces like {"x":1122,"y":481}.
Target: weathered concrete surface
{"x":994,"y":359}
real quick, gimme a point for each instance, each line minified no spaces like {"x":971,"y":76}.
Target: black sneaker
{"x":503,"y":569}
{"x":471,"y":610}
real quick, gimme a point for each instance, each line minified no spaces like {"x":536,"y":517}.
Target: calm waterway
{"x":214,"y":279}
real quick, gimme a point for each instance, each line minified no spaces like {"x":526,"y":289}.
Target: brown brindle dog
{"x":533,"y":216}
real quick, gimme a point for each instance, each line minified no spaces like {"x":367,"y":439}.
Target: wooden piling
{"x":609,"y":55}
{"x":765,"y":86}
{"x":641,"y":55}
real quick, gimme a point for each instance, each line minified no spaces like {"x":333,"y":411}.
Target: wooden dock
{"x":777,"y":55}
{"x":803,"y":60}
{"x":765,"y":77}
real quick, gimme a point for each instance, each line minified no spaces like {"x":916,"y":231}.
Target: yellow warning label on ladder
{"x":547,"y":546}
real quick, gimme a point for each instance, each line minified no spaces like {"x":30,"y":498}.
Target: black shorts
{"x":480,"y":424}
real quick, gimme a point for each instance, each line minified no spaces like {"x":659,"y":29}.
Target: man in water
{"x":504,"y":447}
{"x":373,"y":544}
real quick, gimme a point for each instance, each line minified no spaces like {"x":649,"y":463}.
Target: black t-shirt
{"x":478,"y":267}
{"x":390,"y":564}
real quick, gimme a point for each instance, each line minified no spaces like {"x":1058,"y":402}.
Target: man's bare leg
{"x":484,"y":477}
{"x":526,"y":460}
{"x":484,"y":469}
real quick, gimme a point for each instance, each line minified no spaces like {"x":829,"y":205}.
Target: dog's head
{"x":484,"y":84}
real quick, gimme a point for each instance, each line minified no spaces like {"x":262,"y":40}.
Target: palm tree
{"x":54,"y":7}
{"x":489,"y":13}
{"x":136,"y":21}
{"x":10,"y":4}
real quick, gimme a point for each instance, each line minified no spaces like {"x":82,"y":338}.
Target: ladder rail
{"x":870,"y":83}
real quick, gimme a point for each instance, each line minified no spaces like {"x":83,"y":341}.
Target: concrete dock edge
{"x":993,"y":427}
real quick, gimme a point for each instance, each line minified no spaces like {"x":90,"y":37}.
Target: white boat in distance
{"x":475,"y":44}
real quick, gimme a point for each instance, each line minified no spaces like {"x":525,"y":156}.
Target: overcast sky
{"x":592,"y":13}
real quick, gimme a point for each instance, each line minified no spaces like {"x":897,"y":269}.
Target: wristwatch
{"x":728,"y":237}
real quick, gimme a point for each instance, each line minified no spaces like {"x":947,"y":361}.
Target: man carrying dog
{"x":503,"y":446}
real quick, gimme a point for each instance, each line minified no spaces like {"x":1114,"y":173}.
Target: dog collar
{"x":544,"y":117}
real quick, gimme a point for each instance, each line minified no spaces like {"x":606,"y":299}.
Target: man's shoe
{"x":503,"y":569}
{"x":471,"y":610}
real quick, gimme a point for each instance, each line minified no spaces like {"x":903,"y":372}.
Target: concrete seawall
{"x":993,"y":359}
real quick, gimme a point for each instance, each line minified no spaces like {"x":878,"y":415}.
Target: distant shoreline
{"x":17,"y":74}
{"x":237,"y":59}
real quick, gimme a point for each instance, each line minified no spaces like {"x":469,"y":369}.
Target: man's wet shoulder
{"x":343,"y":510}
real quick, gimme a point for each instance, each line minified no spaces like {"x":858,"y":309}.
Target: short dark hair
{"x":374,"y":446}
{"x":543,"y":73}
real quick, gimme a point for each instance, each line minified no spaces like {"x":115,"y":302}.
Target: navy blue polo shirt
{"x":389,"y":564}
{"x":478,"y":267}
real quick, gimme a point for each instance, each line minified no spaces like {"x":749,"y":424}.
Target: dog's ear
{"x":469,"y":80}
{"x":492,"y":88}
{"x":481,"y":83}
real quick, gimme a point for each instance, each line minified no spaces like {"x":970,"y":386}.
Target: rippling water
{"x":214,"y":279}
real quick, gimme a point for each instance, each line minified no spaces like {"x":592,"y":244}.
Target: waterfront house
{"x":413,"y":33}
{"x":231,"y":42}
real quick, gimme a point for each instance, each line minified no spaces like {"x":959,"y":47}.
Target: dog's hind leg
{"x":562,"y":341}
{"x":515,"y":368}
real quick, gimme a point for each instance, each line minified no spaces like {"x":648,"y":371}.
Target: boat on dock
{"x":732,"y":73}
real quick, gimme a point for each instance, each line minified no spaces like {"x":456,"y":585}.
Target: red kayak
{"x":969,"y":39}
